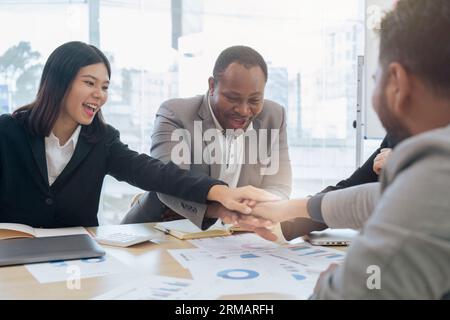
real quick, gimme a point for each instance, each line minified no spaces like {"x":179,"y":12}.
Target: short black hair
{"x":416,"y":34}
{"x":243,"y":55}
{"x":59,"y":71}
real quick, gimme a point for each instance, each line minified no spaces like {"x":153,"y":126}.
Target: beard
{"x":394,"y":127}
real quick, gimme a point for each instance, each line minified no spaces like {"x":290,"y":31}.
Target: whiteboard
{"x":374,"y":12}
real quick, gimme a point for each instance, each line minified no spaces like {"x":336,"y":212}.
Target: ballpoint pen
{"x":164,"y":229}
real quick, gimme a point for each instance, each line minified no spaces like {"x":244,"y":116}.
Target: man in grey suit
{"x":231,"y":133}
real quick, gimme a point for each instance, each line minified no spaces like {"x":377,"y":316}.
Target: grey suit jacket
{"x":193,"y":115}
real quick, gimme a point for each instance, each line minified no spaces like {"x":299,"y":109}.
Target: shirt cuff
{"x":314,"y":207}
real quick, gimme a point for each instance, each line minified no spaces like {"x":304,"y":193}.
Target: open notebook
{"x":185,"y":229}
{"x":17,"y":230}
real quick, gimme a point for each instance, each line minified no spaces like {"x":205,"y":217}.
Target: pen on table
{"x":165,"y":230}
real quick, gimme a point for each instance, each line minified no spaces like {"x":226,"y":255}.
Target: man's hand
{"x":216,"y":210}
{"x":274,"y":211}
{"x":323,"y":274}
{"x":380,"y":160}
{"x":234,"y":199}
{"x":262,"y":229}
{"x":281,"y":210}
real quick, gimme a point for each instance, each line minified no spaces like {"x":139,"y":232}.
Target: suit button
{"x":49,"y":201}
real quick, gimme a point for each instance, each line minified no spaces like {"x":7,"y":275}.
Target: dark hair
{"x":416,"y":34}
{"x":243,"y":55}
{"x":59,"y":71}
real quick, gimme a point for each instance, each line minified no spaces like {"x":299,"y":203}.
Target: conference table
{"x":149,"y":258}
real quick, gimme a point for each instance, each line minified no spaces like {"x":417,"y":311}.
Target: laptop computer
{"x":331,"y":237}
{"x":33,"y":250}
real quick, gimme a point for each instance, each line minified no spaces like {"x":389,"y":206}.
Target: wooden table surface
{"x":150,"y":258}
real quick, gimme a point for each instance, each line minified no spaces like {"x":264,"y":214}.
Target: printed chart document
{"x":248,"y":264}
{"x":86,"y":268}
{"x":17,"y":230}
{"x":239,"y":243}
{"x":187,"y":257}
{"x":254,"y":275}
{"x":154,"y":288}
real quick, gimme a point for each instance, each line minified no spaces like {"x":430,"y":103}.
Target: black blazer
{"x":365,"y":173}
{"x":73,"y":199}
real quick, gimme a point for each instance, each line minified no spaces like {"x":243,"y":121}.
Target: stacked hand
{"x":248,"y":222}
{"x":216,"y":210}
{"x":254,"y":209}
{"x":237,"y":205}
{"x":239,"y":199}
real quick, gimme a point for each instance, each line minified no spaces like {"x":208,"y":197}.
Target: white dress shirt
{"x":59,"y":156}
{"x":231,"y":170}
{"x":230,"y":167}
{"x":234,"y":152}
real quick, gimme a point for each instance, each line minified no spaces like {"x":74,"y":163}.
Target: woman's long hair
{"x":59,"y":72}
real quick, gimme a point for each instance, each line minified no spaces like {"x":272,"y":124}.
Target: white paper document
{"x":85,"y":268}
{"x":313,"y":258}
{"x":41,"y":232}
{"x":236,"y":244}
{"x":187,"y":257}
{"x":154,"y":288}
{"x":247,"y":264}
{"x":264,"y":275}
{"x":59,"y":232}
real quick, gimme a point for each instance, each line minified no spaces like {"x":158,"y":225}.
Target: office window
{"x":166,"y":49}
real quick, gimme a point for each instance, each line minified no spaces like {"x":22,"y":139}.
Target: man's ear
{"x":398,"y":89}
{"x":211,"y":85}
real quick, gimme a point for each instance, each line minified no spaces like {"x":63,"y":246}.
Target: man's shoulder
{"x":430,"y":149}
{"x":180,"y":107}
{"x":428,"y":143}
{"x":272,"y":113}
{"x":272,"y":107}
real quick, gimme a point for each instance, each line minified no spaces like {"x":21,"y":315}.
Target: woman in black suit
{"x":56,"y":151}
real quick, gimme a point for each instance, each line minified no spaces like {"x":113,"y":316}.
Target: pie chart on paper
{"x":238,"y":274}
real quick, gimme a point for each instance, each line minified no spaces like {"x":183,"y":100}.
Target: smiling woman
{"x":88,"y":93}
{"x":56,"y":151}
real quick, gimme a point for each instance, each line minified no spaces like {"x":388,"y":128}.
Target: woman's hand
{"x":235,"y":199}
{"x":380,"y":160}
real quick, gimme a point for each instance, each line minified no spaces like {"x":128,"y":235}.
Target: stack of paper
{"x":240,"y":264}
{"x":245,"y":263}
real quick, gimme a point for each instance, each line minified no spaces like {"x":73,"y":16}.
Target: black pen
{"x":165,"y":230}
